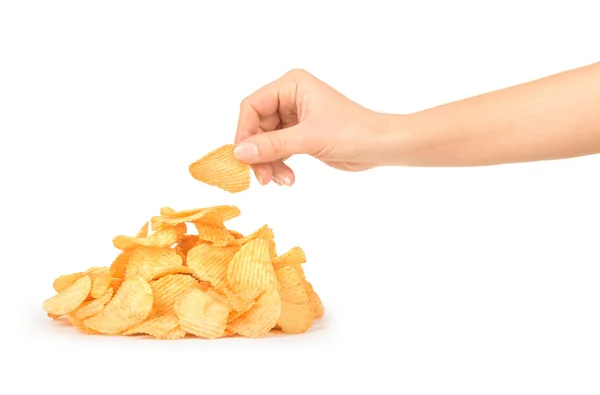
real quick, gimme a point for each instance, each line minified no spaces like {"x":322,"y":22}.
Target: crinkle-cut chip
{"x":228,"y":333}
{"x":210,"y":213}
{"x":69,"y":298}
{"x":80,"y":325}
{"x":264,"y":233}
{"x":186,"y":243}
{"x":92,"y":307}
{"x":143,"y":232}
{"x":62,"y":282}
{"x":236,"y":235}
{"x":251,"y":268}
{"x":225,"y":213}
{"x":163,"y":237}
{"x":201,"y":315}
{"x":148,"y":261}
{"x":292,"y":288}
{"x":221,"y":169}
{"x":294,"y":257}
{"x":203,"y":285}
{"x":172,"y":270}
{"x":175,"y":334}
{"x":167,"y":290}
{"x":210,"y":263}
{"x":216,"y":234}
{"x":54,"y":316}
{"x":261,"y":318}
{"x":295,"y":318}
{"x":117,"y":268}
{"x":100,"y":282}
{"x":315,"y":300}
{"x":130,"y":305}
{"x":115,"y":283}
{"x":158,"y":327}
{"x":241,"y":301}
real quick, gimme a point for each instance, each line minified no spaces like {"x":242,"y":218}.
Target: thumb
{"x":271,"y":146}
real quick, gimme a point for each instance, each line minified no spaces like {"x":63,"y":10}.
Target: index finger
{"x":259,"y":105}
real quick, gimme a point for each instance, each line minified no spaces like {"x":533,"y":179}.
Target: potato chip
{"x":210,"y":263}
{"x":175,"y":333}
{"x":115,"y":283}
{"x":221,"y":169}
{"x":143,"y":232}
{"x":173,"y":270}
{"x":264,"y":233}
{"x":315,"y":300}
{"x":261,"y":318}
{"x":167,"y":290}
{"x":69,"y":298}
{"x":62,"y":282}
{"x":149,"y":261}
{"x":92,"y":307}
{"x":158,"y":327}
{"x":80,"y":325}
{"x":294,"y":257}
{"x":251,"y":268}
{"x":130,"y":305}
{"x":216,"y":234}
{"x":186,"y":243}
{"x":100,"y":282}
{"x":236,"y":235}
{"x":172,"y":217}
{"x":297,"y":313}
{"x":163,"y":237}
{"x":117,"y":268}
{"x":201,"y":315}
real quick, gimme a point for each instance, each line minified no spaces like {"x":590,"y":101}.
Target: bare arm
{"x":551,"y":118}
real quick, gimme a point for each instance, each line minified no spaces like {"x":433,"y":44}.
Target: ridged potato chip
{"x":261,"y":318}
{"x":130,"y":305}
{"x":69,"y":298}
{"x":92,"y":307}
{"x":159,"y":327}
{"x":202,"y":315}
{"x":297,"y":313}
{"x":220,"y":168}
{"x":251,"y":268}
{"x":167,"y":290}
{"x":294,"y":257}
{"x":100,"y":282}
{"x":62,"y":282}
{"x":210,"y":263}
{"x":163,"y":237}
{"x":149,"y":261}
{"x":315,"y":300}
{"x":265,"y":233}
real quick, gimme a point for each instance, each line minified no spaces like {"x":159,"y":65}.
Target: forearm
{"x":551,"y":118}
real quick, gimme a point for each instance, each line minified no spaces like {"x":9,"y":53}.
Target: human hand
{"x":299,"y":114}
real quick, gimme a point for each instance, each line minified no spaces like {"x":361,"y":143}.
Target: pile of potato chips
{"x":215,"y":282}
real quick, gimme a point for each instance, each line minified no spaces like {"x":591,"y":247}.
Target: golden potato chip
{"x":92,"y":307}
{"x":149,"y":261}
{"x":80,"y":325}
{"x":217,"y":235}
{"x":210,"y":263}
{"x":297,"y":313}
{"x":117,"y":268}
{"x":100,"y":282}
{"x":69,"y":298}
{"x":115,"y":283}
{"x":158,"y":327}
{"x":130,"y":305}
{"x":143,"y":232}
{"x":241,"y":301}
{"x":236,"y":234}
{"x":264,"y":233}
{"x":201,"y":315}
{"x":163,"y":237}
{"x":294,"y":257}
{"x":221,"y":169}
{"x":167,"y":290}
{"x":62,"y":282}
{"x":175,"y":333}
{"x":228,"y":333}
{"x":208,"y":214}
{"x":261,"y":318}
{"x":173,"y":270}
{"x":186,"y":243}
{"x":251,"y":268}
{"x":315,"y":300}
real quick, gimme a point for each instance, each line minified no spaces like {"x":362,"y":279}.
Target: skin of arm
{"x":555,"y":117}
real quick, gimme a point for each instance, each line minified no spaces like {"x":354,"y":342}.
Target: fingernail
{"x":246,"y":151}
{"x":259,"y":178}
{"x":281,"y":179}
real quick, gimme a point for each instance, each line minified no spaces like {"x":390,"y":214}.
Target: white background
{"x":435,"y":281}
